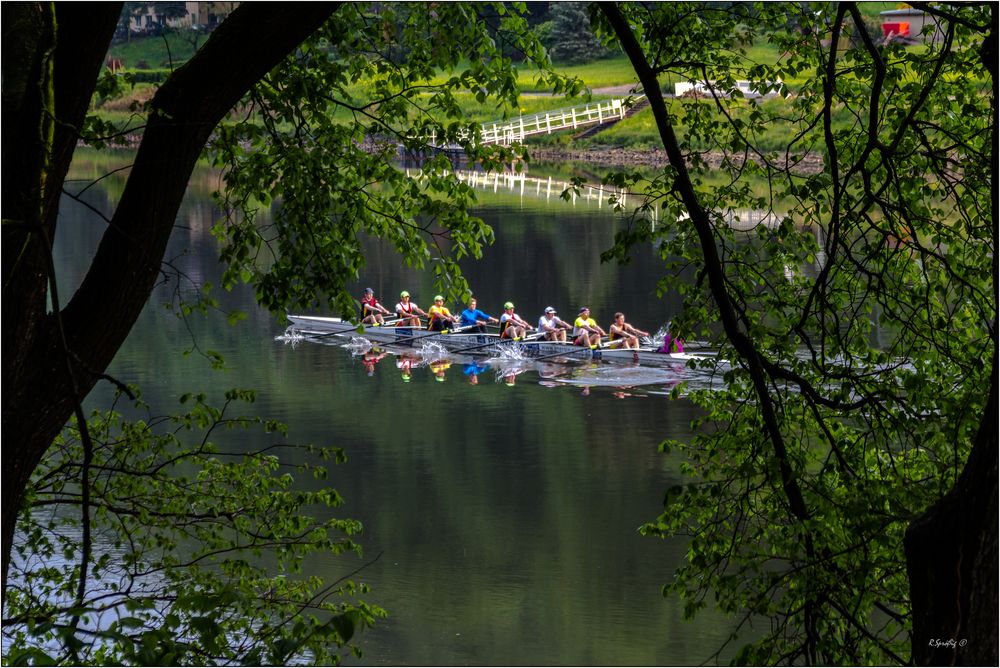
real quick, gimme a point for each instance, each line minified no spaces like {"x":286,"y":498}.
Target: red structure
{"x":894,"y":30}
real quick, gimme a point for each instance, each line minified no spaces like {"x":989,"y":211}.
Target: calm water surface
{"x":503,"y":514}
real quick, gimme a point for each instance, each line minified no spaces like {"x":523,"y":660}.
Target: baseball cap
{"x":369,"y":290}
{"x":438,"y":298}
{"x":584,"y":308}
{"x":404,"y":293}
{"x":549,"y":309}
{"x":508,"y":305}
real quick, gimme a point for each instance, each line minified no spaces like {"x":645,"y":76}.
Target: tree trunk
{"x":951,"y":561}
{"x":51,"y":361}
{"x":951,"y":550}
{"x":49,"y":71}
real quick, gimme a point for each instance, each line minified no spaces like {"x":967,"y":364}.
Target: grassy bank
{"x":637,"y":133}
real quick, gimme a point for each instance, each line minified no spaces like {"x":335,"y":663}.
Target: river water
{"x":502,"y":506}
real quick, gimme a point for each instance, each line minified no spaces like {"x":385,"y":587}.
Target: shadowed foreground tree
{"x":309,"y":83}
{"x":844,"y":484}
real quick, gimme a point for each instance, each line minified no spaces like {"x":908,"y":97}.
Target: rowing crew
{"x":586,"y":332}
{"x":408,"y":314}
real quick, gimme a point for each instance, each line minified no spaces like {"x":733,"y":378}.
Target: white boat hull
{"x":481,"y":344}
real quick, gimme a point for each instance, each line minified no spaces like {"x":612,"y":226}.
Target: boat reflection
{"x":621,"y":381}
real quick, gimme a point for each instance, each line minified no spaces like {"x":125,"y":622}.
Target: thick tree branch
{"x":184,"y":112}
{"x":713,"y":264}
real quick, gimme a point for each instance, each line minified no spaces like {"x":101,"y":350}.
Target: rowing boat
{"x":481,"y":344}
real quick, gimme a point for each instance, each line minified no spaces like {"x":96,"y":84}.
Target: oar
{"x":424,"y":335}
{"x":338,"y":332}
{"x":576,"y":349}
{"x":495,"y":342}
{"x":351,"y":327}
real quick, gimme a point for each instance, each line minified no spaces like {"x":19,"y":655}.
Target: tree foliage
{"x":273,"y":122}
{"x":859,"y":317}
{"x":170,"y":567}
{"x":570,"y":38}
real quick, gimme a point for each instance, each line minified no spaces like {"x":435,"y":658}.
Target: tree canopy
{"x":570,"y":38}
{"x":832,"y":446}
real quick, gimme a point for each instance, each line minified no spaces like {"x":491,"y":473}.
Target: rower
{"x":623,"y":334}
{"x":553,"y":327}
{"x":371,"y":310}
{"x":586,"y":331}
{"x":439,"y":317}
{"x":408,"y":312}
{"x":472,"y":319}
{"x":511,"y":324}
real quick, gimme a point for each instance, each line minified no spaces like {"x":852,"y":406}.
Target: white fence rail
{"x":514,"y":130}
{"x":547,"y":188}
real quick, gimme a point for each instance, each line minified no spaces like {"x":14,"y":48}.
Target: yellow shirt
{"x":580,"y":323}
{"x":439,"y":312}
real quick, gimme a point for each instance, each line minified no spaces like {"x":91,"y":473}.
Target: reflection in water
{"x":509,"y":364}
{"x":472,"y":371}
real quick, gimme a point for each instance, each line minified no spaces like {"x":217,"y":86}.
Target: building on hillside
{"x":908,"y":25}
{"x":208,"y":14}
{"x":151,"y":17}
{"x":748,"y":89}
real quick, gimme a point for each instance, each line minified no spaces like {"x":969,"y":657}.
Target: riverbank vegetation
{"x":637,"y":132}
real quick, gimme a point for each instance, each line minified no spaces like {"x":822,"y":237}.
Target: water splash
{"x":358,"y":345}
{"x":659,"y":335}
{"x":509,"y":351}
{"x":431,"y":349}
{"x":290,"y":336}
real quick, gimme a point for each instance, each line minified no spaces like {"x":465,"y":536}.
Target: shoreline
{"x":615,"y":157}
{"x":654,"y":158}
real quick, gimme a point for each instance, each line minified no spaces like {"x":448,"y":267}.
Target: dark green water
{"x":504,"y":516}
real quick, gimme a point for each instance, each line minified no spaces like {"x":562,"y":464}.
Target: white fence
{"x":514,"y":130}
{"x":521,"y":184}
